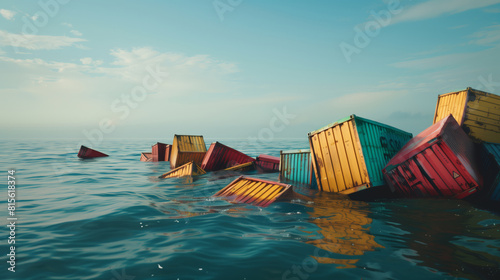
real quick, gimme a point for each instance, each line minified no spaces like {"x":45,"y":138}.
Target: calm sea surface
{"x":112,"y":218}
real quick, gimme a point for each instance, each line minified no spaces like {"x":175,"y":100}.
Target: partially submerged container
{"x":186,"y":148}
{"x":146,"y":156}
{"x":438,"y":162}
{"x":478,"y":113}
{"x":188,"y":169}
{"x":255,"y":191}
{"x":160,"y":151}
{"x":348,"y":155}
{"x":267,"y":163}
{"x":296,"y":166}
{"x":87,"y":153}
{"x":489,"y":162}
{"x":220,"y":156}
{"x":249,"y":166}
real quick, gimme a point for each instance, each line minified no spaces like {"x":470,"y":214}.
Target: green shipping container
{"x":349,"y":155}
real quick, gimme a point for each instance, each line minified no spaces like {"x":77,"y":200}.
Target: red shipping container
{"x":89,"y":153}
{"x":439,"y":162}
{"x":158,"y":150}
{"x":220,"y":156}
{"x":146,"y":157}
{"x":268,"y":163}
{"x":168,"y":148}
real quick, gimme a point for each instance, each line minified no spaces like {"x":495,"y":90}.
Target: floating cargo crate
{"x":438,"y":162}
{"x":186,"y":148}
{"x":255,"y":191}
{"x":249,"y":166}
{"x":489,"y":162}
{"x":161,"y":151}
{"x":146,"y":156}
{"x":188,"y":169}
{"x":266,"y":163}
{"x":477,"y":112}
{"x":220,"y":156}
{"x":86,"y":153}
{"x":348,"y":155}
{"x":296,"y":166}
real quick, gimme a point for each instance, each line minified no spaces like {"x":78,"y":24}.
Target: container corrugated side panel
{"x":255,"y":191}
{"x":168,"y":149}
{"x":220,"y":156}
{"x":337,"y":158}
{"x":432,"y":167}
{"x":191,"y":143}
{"x":183,"y":145}
{"x":379,"y":143}
{"x":451,"y":103}
{"x":185,"y":157}
{"x":482,"y":116}
{"x":188,"y":169}
{"x":490,"y":165}
{"x":296,"y":166}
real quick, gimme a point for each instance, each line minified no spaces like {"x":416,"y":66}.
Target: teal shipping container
{"x":296,"y":166}
{"x":490,"y":166}
{"x":349,"y":155}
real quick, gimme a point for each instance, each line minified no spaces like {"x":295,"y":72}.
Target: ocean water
{"x":112,"y":218}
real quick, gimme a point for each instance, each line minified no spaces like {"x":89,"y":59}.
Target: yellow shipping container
{"x":186,"y":148}
{"x":188,"y":169}
{"x":478,"y":113}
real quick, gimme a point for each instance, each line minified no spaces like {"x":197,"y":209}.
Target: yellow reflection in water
{"x":344,"y":225}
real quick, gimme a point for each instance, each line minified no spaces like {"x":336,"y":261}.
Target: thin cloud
{"x":76,"y":33}
{"x":37,"y":42}
{"x":488,"y":36}
{"x":7,"y":14}
{"x":436,"y":8}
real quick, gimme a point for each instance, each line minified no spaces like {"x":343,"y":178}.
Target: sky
{"x":100,"y":70}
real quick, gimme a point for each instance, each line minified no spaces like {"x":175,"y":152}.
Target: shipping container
{"x":438,"y":162}
{"x":348,"y":155}
{"x":86,"y":153}
{"x":489,"y":162}
{"x":255,"y":191}
{"x":478,"y":113}
{"x":266,"y":163}
{"x":168,"y":148}
{"x":220,"y":156}
{"x":146,"y":157}
{"x":296,"y":166}
{"x":249,"y":166}
{"x":188,"y":169}
{"x":186,"y":148}
{"x":159,"y":150}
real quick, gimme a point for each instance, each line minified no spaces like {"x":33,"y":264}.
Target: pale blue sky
{"x":233,"y":64}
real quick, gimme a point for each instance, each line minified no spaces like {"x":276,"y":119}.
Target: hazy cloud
{"x":435,"y":8}
{"x":36,"y":42}
{"x":7,"y":14}
{"x":487,"y":36}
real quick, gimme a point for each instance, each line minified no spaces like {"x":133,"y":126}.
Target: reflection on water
{"x":344,"y":225}
{"x":452,"y":236}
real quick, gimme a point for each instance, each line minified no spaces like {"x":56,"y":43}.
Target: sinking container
{"x":159,"y":151}
{"x":348,"y":155}
{"x":478,"y":113}
{"x":255,"y":191}
{"x":249,"y":166}
{"x":188,"y":169}
{"x":489,"y":162}
{"x":89,"y":153}
{"x":296,"y":165}
{"x":146,"y":157}
{"x":266,"y":163}
{"x":220,"y":156}
{"x":186,"y":148}
{"x":438,"y":162}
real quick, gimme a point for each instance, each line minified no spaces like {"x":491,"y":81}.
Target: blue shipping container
{"x":296,"y":166}
{"x":490,"y":166}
